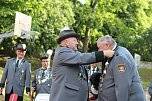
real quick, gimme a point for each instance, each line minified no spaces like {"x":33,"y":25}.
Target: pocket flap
{"x":71,"y":86}
{"x":22,"y":84}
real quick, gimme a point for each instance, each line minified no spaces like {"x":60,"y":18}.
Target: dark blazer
{"x":16,"y":79}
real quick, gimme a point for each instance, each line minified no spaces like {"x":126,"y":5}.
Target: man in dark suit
{"x":41,"y":83}
{"x":17,"y":73}
{"x":69,"y":79}
{"x":94,"y":68}
{"x":120,"y":80}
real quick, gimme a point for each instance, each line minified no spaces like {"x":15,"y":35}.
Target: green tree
{"x":125,"y":20}
{"x":48,"y":17}
{"x":128,"y":21}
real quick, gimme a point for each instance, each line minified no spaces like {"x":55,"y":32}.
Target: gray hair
{"x":108,"y":39}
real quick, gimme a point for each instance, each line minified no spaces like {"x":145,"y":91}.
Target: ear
{"x":16,"y":51}
{"x":107,"y":46}
{"x":98,"y":45}
{"x":66,"y":42}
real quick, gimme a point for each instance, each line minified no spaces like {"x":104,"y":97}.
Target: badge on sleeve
{"x":121,"y":68}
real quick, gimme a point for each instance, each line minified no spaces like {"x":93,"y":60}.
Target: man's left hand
{"x":29,"y":94}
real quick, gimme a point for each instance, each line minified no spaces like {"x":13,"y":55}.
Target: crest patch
{"x":121,"y":68}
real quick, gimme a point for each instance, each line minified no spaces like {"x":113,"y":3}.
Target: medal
{"x":102,"y":76}
{"x":106,"y":65}
{"x":100,"y":84}
{"x":104,"y":72}
{"x":22,"y":73}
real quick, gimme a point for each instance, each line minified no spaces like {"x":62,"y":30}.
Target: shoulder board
{"x":24,"y":60}
{"x":12,"y":58}
{"x":50,"y":68}
{"x":116,"y":54}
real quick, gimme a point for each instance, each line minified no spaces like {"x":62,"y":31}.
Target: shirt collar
{"x":114,"y":47}
{"x":44,"y":68}
{"x":20,"y":60}
{"x":93,"y":68}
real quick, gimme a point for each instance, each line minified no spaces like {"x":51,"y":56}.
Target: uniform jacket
{"x":16,"y":80}
{"x":122,"y":81}
{"x":42,"y":84}
{"x":69,"y":80}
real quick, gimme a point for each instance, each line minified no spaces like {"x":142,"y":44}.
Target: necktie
{"x":43,"y":72}
{"x":16,"y":65}
{"x":93,"y":70}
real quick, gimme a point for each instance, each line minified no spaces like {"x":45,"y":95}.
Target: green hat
{"x":44,"y":56}
{"x":21,"y":47}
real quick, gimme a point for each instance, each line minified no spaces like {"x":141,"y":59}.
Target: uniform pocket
{"x":71,"y":86}
{"x":71,"y":91}
{"x":22,"y":84}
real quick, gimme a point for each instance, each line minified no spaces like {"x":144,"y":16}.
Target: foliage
{"x":144,"y":45}
{"x":128,"y":21}
{"x":48,"y":16}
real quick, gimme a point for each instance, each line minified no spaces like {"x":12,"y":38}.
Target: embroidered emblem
{"x":121,"y":68}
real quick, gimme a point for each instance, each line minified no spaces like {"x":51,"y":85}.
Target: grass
{"x":146,"y":76}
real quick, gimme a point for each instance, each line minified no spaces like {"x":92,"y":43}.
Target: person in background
{"x":17,"y":75}
{"x":41,"y":83}
{"x":150,"y":90}
{"x":119,"y":80}
{"x":69,"y":79}
{"x":94,"y":68}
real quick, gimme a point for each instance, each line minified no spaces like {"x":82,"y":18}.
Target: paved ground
{"x":147,"y":94}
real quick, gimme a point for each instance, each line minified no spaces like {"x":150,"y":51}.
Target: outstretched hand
{"x":108,"y":53}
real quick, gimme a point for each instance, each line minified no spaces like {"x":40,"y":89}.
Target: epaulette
{"x":12,"y":58}
{"x":26,"y":61}
{"x":116,"y":54}
{"x":50,"y":68}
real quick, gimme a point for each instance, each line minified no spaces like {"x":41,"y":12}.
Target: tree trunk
{"x":87,"y":32}
{"x":85,"y":42}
